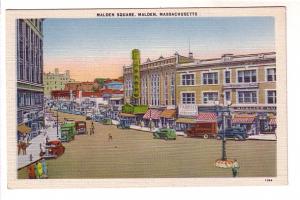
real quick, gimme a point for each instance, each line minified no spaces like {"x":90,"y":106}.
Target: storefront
{"x":183,"y":123}
{"x":168,"y":117}
{"x":245,"y":121}
{"x":23,"y":132}
{"x":129,"y":118}
{"x":153,"y":116}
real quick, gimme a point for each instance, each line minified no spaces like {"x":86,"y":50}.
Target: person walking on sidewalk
{"x":235,"y":168}
{"x":92,"y":131}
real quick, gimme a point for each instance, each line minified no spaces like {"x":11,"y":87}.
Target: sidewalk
{"x":271,"y":137}
{"x":34,"y":147}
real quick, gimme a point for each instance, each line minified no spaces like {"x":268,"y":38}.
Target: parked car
{"x":107,"y":121}
{"x":98,"y":117}
{"x":204,"y":130}
{"x":165,"y":133}
{"x":124,"y":124}
{"x":54,"y":149}
{"x":235,"y":133}
{"x":88,"y":116}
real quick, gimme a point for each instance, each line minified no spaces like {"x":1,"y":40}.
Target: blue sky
{"x":101,"y":46}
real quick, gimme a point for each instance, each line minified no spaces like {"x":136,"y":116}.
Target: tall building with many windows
{"x":56,"y":81}
{"x":30,"y":89}
{"x":245,"y":82}
{"x":157,"y":79}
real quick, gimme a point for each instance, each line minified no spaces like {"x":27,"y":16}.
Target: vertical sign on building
{"x":136,"y":61}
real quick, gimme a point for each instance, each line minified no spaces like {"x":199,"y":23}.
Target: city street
{"x":135,"y":154}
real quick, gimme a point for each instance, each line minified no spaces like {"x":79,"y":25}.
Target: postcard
{"x":146,"y":97}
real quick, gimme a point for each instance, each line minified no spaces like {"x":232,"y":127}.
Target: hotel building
{"x":55,"y":81}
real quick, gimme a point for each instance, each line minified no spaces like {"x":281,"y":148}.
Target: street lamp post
{"x":223,"y":162}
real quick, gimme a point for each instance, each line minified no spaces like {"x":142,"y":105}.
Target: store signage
{"x":187,"y":109}
{"x":240,"y":85}
{"x":136,"y":61}
{"x":254,"y":108}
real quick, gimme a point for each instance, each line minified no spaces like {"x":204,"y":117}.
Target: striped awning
{"x":206,"y":117}
{"x":168,"y":113}
{"x":152,"y":113}
{"x":243,"y":119}
{"x":23,"y":129}
{"x":272,"y":121}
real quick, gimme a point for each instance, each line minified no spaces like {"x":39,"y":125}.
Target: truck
{"x":80,"y":127}
{"x":204,"y":129}
{"x":68,"y":132}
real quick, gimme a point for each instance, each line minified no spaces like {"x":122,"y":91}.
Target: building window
{"x":187,"y":79}
{"x":210,"y":78}
{"x":188,"y":98}
{"x":172,"y":87}
{"x":227,"y":76}
{"x":271,"y":96}
{"x":227,"y":96}
{"x":209,"y":97}
{"x":247,"y":76}
{"x":247,"y":97}
{"x":271,"y":74}
{"x":166,"y":90}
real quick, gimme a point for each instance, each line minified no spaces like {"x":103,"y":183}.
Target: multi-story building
{"x":157,"y":79}
{"x":55,"y":81}
{"x":30,"y":89}
{"x":245,"y":82}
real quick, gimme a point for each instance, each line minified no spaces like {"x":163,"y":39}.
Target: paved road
{"x":135,"y":154}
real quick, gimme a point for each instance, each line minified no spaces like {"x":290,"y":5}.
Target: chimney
{"x":56,"y":71}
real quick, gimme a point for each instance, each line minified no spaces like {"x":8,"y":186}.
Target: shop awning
{"x":243,"y":119}
{"x":168,"y":113}
{"x":206,"y":117}
{"x":152,"y":113}
{"x":126,"y":115}
{"x":23,"y":129}
{"x":186,"y":120}
{"x":272,"y":121}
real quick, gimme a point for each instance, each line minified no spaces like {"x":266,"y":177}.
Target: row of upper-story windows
{"x":243,"y":97}
{"x":243,"y":76}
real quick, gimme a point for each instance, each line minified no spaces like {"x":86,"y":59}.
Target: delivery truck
{"x":204,"y":129}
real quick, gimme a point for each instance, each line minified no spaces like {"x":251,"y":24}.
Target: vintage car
{"x":124,"y":124}
{"x":54,"y":149}
{"x":235,"y":133}
{"x":165,"y":133}
{"x":107,"y":121}
{"x":80,"y":127}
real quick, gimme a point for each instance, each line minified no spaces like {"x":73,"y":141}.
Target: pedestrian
{"x":109,"y":137}
{"x":31,"y":171}
{"x":44,"y":166}
{"x":235,"y":168}
{"x":92,"y":128}
{"x":39,"y":167}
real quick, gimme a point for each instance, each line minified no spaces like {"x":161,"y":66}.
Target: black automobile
{"x":235,"y":133}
